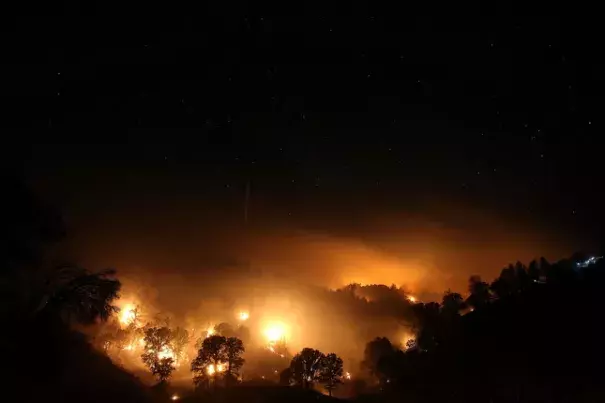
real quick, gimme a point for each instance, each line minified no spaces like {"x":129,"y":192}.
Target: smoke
{"x":201,"y":273}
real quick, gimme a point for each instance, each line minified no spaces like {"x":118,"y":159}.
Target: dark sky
{"x":375,"y":125}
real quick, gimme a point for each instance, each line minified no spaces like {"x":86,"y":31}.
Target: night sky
{"x":344,"y":126}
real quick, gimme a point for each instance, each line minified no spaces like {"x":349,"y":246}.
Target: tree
{"x":180,"y":339}
{"x":76,"y":294}
{"x":157,"y":347}
{"x":163,"y":368}
{"x":210,"y":358}
{"x":285,"y":377}
{"x":452,"y":303}
{"x":306,"y":367}
{"x":479,"y":292}
{"x":331,"y":372}
{"x":375,"y":351}
{"x":533,"y":270}
{"x":234,"y":348}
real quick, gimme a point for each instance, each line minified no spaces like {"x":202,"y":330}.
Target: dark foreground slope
{"x":50,"y":363}
{"x":261,"y":394}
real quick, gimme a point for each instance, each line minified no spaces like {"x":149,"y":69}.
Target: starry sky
{"x":369,"y":125}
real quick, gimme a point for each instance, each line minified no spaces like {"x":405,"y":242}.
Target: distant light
{"x":174,"y":397}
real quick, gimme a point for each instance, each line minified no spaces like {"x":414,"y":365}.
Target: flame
{"x":128,"y":314}
{"x":243,"y":316}
{"x":411,"y":299}
{"x":348,"y":375}
{"x":275,"y":332}
{"x":134,"y":345}
{"x":174,"y":397}
{"x":210,"y":331}
{"x":167,"y":352}
{"x":211,"y":369}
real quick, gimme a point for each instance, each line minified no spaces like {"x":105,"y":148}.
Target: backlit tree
{"x":331,"y":372}
{"x":306,"y":367}
{"x":157,"y":350}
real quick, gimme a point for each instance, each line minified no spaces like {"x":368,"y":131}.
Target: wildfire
{"x":211,"y":369}
{"x":174,"y":397}
{"x":128,"y":314}
{"x":210,"y":331}
{"x":412,"y":299}
{"x":405,"y":339}
{"x":167,"y":352}
{"x":243,"y":316}
{"x":348,"y":375}
{"x":140,"y":343}
{"x":275,"y":332}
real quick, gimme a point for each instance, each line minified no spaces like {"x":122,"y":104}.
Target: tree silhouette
{"x":479,"y":292}
{"x":427,"y":325}
{"x":285,"y":377}
{"x":76,"y":294}
{"x":157,"y":341}
{"x":375,"y":351}
{"x":306,"y":367}
{"x":331,"y":372}
{"x":234,"y":348}
{"x":452,"y":303}
{"x":163,"y":368}
{"x":180,"y":339}
{"x":210,"y":357}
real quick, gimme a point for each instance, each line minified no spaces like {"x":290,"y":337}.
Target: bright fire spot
{"x":243,"y":315}
{"x":166,"y":352}
{"x":211,"y":369}
{"x":275,"y":332}
{"x":128,"y":314}
{"x":411,"y":299}
{"x":348,"y":375}
{"x":175,"y":397}
{"x":210,"y":331}
{"x":405,"y":339}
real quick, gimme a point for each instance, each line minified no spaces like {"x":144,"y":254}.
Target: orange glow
{"x":174,"y":397}
{"x":243,"y":316}
{"x":404,"y":340}
{"x":412,"y":299}
{"x":348,"y":375}
{"x":167,"y":352}
{"x":211,"y":369}
{"x":275,"y":332}
{"x":128,"y":314}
